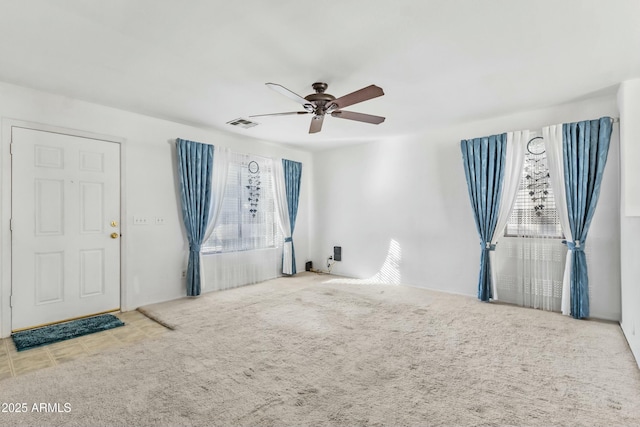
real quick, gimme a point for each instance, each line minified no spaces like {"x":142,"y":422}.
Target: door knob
{"x":114,"y":235}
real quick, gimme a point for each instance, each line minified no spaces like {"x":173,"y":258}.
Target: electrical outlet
{"x":140,"y":220}
{"x":159,"y":220}
{"x":184,"y":274}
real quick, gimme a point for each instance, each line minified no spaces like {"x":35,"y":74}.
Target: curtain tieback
{"x":288,"y":239}
{"x":488,"y":246}
{"x":574,"y":246}
{"x":194,"y":248}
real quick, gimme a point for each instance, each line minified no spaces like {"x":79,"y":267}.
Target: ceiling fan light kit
{"x":321,"y":103}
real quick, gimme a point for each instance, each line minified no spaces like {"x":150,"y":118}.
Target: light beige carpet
{"x":301,"y":351}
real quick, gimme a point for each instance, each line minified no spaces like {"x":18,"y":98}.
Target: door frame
{"x":5,"y":211}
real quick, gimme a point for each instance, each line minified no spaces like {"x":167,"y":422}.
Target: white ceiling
{"x":440,"y":62}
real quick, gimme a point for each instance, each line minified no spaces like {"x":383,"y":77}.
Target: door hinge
{"x":11,"y":300}
{"x":11,"y":148}
{"x":11,"y":224}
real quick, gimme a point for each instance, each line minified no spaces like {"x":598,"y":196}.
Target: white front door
{"x":65,"y":223}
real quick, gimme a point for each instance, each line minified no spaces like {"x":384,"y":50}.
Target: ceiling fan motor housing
{"x":320,"y":99}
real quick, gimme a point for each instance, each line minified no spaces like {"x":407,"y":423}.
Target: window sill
{"x":518,"y":236}
{"x":208,"y":252}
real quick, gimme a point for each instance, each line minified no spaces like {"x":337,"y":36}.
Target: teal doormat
{"x":64,"y":331}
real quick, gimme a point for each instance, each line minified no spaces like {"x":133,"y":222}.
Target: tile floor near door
{"x":137,"y":327}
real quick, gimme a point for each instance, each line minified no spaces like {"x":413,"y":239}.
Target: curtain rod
{"x":613,"y":120}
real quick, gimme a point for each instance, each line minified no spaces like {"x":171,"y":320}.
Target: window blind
{"x":248,"y":219}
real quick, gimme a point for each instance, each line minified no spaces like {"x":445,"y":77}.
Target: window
{"x":248,"y":219}
{"x":534,"y":212}
{"x":530,"y":266}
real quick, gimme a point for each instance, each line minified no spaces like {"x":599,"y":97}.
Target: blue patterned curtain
{"x":585,"y":150}
{"x":292,"y":175}
{"x":484,"y":163}
{"x":195,"y":166}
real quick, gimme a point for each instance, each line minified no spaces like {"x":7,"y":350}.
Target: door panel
{"x":91,"y":272}
{"x":91,"y":208}
{"x":49,"y":276}
{"x":49,"y":207}
{"x":65,"y":194}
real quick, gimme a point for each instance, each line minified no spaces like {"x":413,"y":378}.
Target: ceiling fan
{"x":320,"y":103}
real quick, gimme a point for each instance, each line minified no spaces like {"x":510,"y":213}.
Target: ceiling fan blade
{"x":281,"y":114}
{"x":350,"y":115}
{"x":286,"y":92}
{"x":316,"y":124}
{"x":361,"y":95}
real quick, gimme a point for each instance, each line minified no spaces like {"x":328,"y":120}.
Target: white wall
{"x":629,"y":103}
{"x":412,"y":191}
{"x":155,"y":254}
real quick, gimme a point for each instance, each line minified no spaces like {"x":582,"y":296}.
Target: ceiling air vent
{"x":243,"y":123}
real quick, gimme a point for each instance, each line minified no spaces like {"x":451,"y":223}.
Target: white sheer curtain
{"x":232,"y":269}
{"x":516,"y":145}
{"x":553,"y":139}
{"x":242,"y":246}
{"x":280,"y":195}
{"x":218,"y":186}
{"x":530,"y":272}
{"x":529,"y":261}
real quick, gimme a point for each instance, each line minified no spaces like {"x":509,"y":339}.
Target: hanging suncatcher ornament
{"x":537,"y":174}
{"x":254,"y":187}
